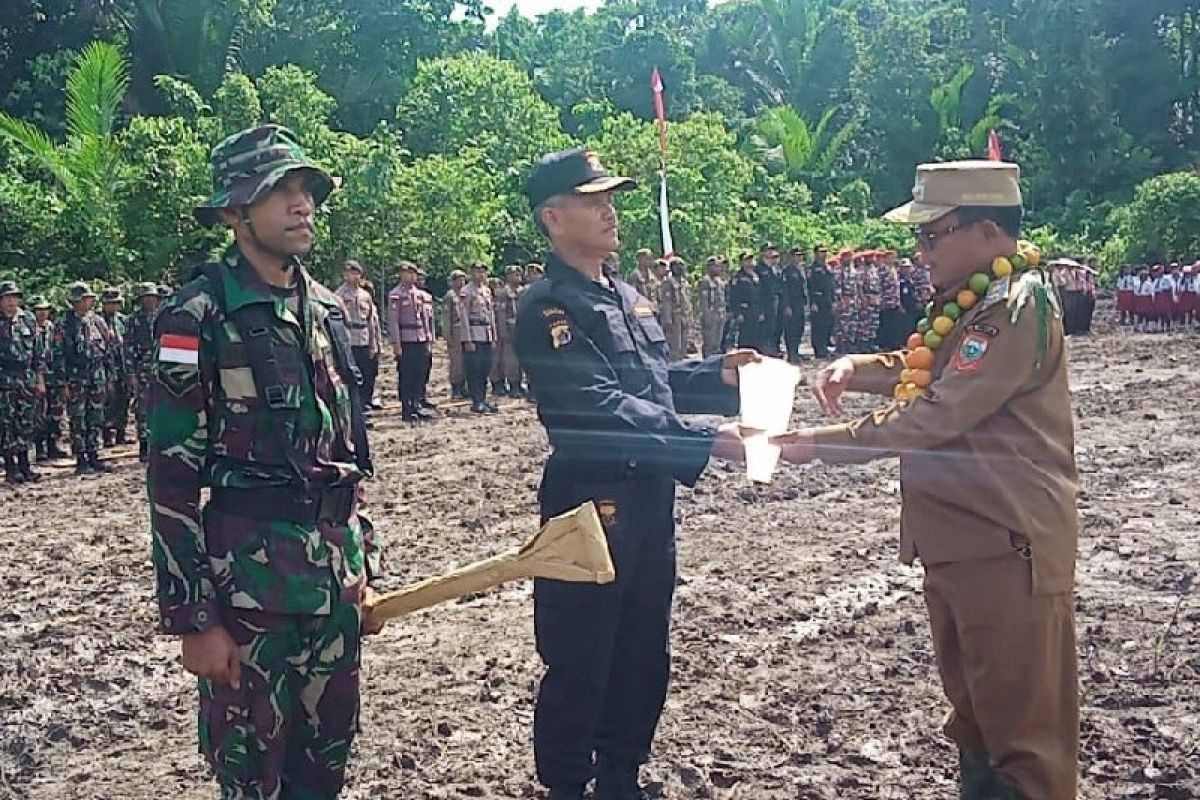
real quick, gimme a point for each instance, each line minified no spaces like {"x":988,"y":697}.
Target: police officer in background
{"x":820,"y":298}
{"x":795,"y":304}
{"x":610,"y":402}
{"x":480,"y":337}
{"x":745,"y":305}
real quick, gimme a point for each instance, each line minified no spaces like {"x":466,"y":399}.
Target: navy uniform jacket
{"x":597,"y":358}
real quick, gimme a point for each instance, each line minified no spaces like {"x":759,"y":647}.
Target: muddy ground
{"x":803,"y":668}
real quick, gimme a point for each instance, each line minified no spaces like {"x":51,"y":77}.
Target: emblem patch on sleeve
{"x":969,"y":357}
{"x":174,"y":348}
{"x":560,"y":334}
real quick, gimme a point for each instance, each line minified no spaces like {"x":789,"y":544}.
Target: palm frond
{"x":36,"y":142}
{"x":95,"y":88}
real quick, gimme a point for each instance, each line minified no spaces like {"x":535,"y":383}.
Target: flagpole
{"x":664,"y":210}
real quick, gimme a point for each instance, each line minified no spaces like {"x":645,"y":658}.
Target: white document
{"x":768,"y":390}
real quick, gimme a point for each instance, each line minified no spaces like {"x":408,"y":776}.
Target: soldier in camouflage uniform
{"x":255,"y":396}
{"x":50,"y":406}
{"x":22,"y":382}
{"x":139,"y":357}
{"x":116,"y":413}
{"x":79,"y":353}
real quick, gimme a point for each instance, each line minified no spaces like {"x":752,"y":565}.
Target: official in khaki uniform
{"x":712,"y":307}
{"x":643,"y":278}
{"x":454,"y":329}
{"x":988,"y":482}
{"x":679,"y":332}
{"x":508,"y":368}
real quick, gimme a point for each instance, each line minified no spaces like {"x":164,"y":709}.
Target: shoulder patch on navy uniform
{"x":990,"y":331}
{"x":558,"y":326}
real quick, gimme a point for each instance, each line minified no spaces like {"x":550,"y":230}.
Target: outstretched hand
{"x":832,"y":382}
{"x":796,"y":447}
{"x":734,"y":359}
{"x":729,"y":443}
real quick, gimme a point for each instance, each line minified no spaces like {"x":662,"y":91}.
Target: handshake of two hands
{"x":796,"y":446}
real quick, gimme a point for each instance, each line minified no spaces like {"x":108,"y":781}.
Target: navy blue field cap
{"x":576,"y":171}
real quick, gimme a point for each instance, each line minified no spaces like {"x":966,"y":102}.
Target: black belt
{"x":286,"y":503}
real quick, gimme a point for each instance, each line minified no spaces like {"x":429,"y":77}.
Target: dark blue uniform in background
{"x":609,"y":401}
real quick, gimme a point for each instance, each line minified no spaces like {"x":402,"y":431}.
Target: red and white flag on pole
{"x":994,"y":151}
{"x":664,"y":211}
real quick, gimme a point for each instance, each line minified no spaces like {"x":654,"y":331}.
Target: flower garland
{"x":941,"y":317}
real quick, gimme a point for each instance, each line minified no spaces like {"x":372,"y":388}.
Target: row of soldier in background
{"x":478,"y":316}
{"x":856,"y":302}
{"x":77,"y":363}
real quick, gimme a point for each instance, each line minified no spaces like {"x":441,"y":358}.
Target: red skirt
{"x":1143,"y":305}
{"x":1164,"y":305}
{"x":1125,"y":300}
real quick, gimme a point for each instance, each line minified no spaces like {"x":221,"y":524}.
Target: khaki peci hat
{"x":941,"y":188}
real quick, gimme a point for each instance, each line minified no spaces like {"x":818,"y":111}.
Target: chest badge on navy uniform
{"x":607,"y":509}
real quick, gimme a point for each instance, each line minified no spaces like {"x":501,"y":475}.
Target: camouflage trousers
{"x":48,"y":414}
{"x":18,"y":419}
{"x":116,"y":410}
{"x":85,"y":410}
{"x":141,"y":398}
{"x":286,"y":733}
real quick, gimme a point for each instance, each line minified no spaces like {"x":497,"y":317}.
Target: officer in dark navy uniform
{"x":610,"y":403}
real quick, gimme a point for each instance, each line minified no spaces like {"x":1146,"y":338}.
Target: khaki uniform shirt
{"x":362,"y":317}
{"x":646,"y":284}
{"x":712,"y":298}
{"x":507,"y":298}
{"x":987,"y":460}
{"x":477,"y":309}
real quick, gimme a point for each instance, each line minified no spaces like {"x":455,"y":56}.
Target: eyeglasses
{"x":929,"y":239}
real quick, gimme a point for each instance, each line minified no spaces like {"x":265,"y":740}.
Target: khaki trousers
{"x":1009,"y":669}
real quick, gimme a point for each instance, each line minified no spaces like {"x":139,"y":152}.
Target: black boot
{"x":52,"y":449}
{"x":410,"y":413}
{"x":143,"y":451}
{"x":23,"y":467}
{"x":82,"y":465}
{"x":565,"y":793}
{"x":11,"y":473}
{"x":39,"y":449}
{"x":110,"y":437}
{"x":120,"y":437}
{"x":617,"y":781}
{"x":96,"y":464}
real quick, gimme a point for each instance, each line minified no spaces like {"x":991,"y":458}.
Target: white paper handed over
{"x":768,"y":390}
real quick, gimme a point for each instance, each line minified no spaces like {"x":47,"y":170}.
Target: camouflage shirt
{"x":45,"y":343}
{"x":207,"y":427}
{"x":116,"y":345}
{"x":80,"y":350}
{"x":139,"y":342}
{"x":22,"y":358}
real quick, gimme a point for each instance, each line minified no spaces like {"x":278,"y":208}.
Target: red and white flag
{"x":175,"y":348}
{"x":664,"y":211}
{"x":994,"y":151}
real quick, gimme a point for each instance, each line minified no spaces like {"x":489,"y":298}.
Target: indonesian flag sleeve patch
{"x":175,"y":348}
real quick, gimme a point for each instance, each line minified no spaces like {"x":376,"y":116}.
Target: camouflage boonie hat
{"x":9,"y":287}
{"x":40,"y":303}
{"x":247,"y":165}
{"x":78,"y":291}
{"x":514,"y":269}
{"x":145,"y":290}
{"x":457,"y":273}
{"x":110,"y":294}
